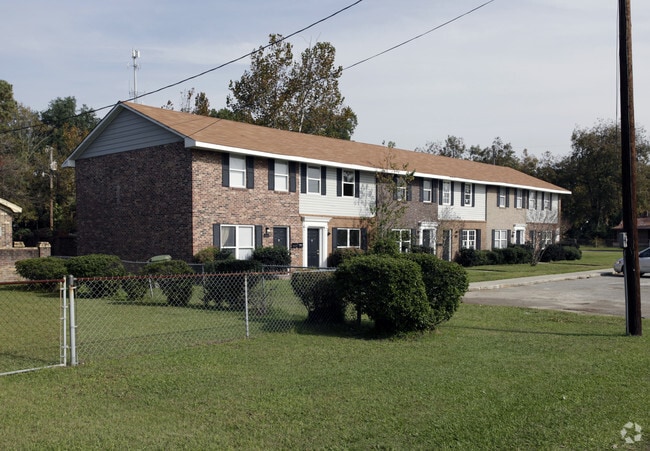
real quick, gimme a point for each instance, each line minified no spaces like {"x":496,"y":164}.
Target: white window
{"x":546,"y":236}
{"x":467,"y":194}
{"x":348,"y":183}
{"x":468,"y":239}
{"x":401,"y":193}
{"x":427,"y":191}
{"x":446,"y":193}
{"x":240,"y":240}
{"x":547,"y":201}
{"x":532,"y":200}
{"x":237,"y":168}
{"x":348,"y":238}
{"x":403,"y":238}
{"x":519,"y":199}
{"x":500,"y":239}
{"x":281,"y":176}
{"x":313,"y":179}
{"x":502,"y":196}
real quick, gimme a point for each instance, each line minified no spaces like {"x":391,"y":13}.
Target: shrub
{"x":178,"y":290}
{"x":553,"y":253}
{"x":47,"y":268}
{"x":210,"y":254}
{"x":272,"y":256}
{"x":389,"y":290}
{"x":572,"y":253}
{"x":318,"y":293}
{"x":385,"y":246}
{"x":225,"y":282}
{"x":470,"y":257}
{"x":419,"y":249}
{"x":340,"y":255}
{"x":445,"y":284}
{"x":135,"y":288}
{"x":97,"y":265}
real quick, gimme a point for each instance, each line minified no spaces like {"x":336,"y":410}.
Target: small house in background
{"x":10,"y":251}
{"x":643,"y":229}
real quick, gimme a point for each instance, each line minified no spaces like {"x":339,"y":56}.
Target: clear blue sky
{"x":528,"y":71}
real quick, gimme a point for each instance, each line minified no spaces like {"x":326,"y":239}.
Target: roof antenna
{"x":135,"y":54}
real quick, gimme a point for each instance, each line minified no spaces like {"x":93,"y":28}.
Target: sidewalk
{"x":494,"y":284}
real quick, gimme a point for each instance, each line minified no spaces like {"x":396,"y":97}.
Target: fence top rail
{"x":32,"y":282}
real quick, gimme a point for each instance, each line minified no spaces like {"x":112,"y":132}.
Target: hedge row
{"x":514,"y":255}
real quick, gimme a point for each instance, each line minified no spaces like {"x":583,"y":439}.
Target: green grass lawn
{"x":491,"y":378}
{"x":592,"y":258}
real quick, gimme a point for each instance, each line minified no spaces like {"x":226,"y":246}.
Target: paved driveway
{"x":595,"y":292}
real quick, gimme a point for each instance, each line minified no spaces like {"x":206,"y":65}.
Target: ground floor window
{"x":403,"y":238}
{"x":346,"y":238}
{"x":468,"y":239}
{"x":500,"y":240}
{"x":238,"y":239}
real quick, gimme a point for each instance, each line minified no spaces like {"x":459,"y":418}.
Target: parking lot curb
{"x":505,"y":283}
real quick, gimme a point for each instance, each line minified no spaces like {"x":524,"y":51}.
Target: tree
{"x":301,"y":96}
{"x":453,"y":147}
{"x":499,"y":154}
{"x":8,"y":104}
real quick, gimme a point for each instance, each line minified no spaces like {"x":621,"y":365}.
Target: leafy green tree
{"x":453,"y":147}
{"x":301,"y":96}
{"x":499,"y":154}
{"x":8,"y":104}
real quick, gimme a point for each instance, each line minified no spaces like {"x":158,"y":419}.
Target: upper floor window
{"x":348,"y":238}
{"x":532,"y":200}
{"x":313,"y":179}
{"x":446,"y":192}
{"x":503,"y":196}
{"x":281,"y":175}
{"x":519,"y":199}
{"x":348,"y":183}
{"x":427,"y":190}
{"x":467,"y":194}
{"x":547,"y":201}
{"x":237,"y":170}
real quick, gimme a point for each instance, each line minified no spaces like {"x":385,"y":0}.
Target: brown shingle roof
{"x":220,"y":133}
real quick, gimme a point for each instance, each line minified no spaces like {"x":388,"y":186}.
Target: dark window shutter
{"x":303,"y":178}
{"x":395,"y":186}
{"x":258,"y":236}
{"x":462,"y":194}
{"x":271,"y":174}
{"x":334,"y":238}
{"x":225,"y":169}
{"x":460,"y":238}
{"x":216,"y":235}
{"x":507,"y":197}
{"x":357,"y":183}
{"x":439,"y":192}
{"x":494,"y":239}
{"x":339,"y":182}
{"x":250,"y":172}
{"x":473,"y":194}
{"x":478,"y":239}
{"x":292,"y":176}
{"x":452,"y":193}
{"x":323,"y":179}
{"x":434,"y":191}
{"x":509,"y":236}
{"x":364,"y":239}
{"x":409,"y":192}
{"x":498,"y":196}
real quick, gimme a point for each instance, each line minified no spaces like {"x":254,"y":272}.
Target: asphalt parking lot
{"x":595,"y":292}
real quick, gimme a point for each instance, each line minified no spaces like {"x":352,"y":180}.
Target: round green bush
{"x":135,"y":288}
{"x":389,"y":290}
{"x":340,"y":255}
{"x":385,"y":246}
{"x":94,"y":266}
{"x":47,"y":268}
{"x":445,"y":283}
{"x":224,"y":283}
{"x":318,"y":293}
{"x":211,"y":254}
{"x":178,"y":290}
{"x":572,"y":253}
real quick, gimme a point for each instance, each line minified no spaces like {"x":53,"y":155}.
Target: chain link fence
{"x":33,"y":320}
{"x":77,"y":320}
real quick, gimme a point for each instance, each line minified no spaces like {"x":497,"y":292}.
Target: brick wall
{"x":136,"y":204}
{"x":10,"y":255}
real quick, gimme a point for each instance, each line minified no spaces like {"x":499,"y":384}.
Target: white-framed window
{"x":468,"y":239}
{"x":401,"y":192}
{"x":348,"y":238}
{"x":237,"y":169}
{"x":239,"y":239}
{"x":403,"y":238}
{"x":500,"y":239}
{"x":446,"y":192}
{"x":532,"y":200}
{"x":281,"y":175}
{"x":467,"y":194}
{"x":546,"y":237}
{"x":348,"y":183}
{"x":519,"y":199}
{"x":503,"y":193}
{"x":313,"y":179}
{"x":427,"y":191}
{"x":547,"y":201}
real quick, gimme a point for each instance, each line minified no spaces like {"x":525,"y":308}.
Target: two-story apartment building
{"x":152,"y":181}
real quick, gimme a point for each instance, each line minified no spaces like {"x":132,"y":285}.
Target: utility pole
{"x":51,"y":174}
{"x":135,"y":54}
{"x":628,"y":161}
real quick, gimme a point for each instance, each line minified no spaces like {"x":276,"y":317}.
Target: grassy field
{"x":491,"y":378}
{"x":592,"y":258}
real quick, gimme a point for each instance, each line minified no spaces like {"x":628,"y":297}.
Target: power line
{"x":419,"y":36}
